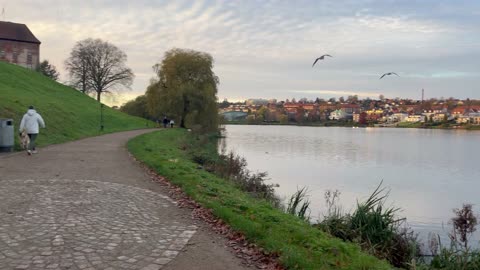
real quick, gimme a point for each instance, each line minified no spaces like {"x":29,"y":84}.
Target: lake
{"x":428,"y":172}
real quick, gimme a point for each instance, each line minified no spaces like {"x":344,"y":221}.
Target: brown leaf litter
{"x":250,"y":253}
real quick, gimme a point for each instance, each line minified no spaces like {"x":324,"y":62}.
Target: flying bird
{"x":388,"y":73}
{"x":321,"y":58}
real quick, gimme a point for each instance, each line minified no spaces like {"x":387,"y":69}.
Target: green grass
{"x":299,"y":245}
{"x":409,"y":125}
{"x":68,"y":114}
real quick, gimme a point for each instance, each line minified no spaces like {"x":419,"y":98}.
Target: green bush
{"x":375,"y":227}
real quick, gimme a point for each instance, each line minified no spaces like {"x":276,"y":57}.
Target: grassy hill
{"x":68,"y":114}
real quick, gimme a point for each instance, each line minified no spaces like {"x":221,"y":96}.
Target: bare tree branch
{"x":97,"y":66}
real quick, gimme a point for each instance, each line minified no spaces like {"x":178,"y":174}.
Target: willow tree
{"x":185,"y":89}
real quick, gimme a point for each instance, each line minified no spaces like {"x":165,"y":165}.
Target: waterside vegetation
{"x":297,"y":243}
{"x":222,"y":183}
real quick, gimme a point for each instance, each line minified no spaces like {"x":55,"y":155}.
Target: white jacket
{"x":30,"y":122}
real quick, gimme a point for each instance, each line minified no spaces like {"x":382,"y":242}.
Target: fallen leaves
{"x":250,"y":253}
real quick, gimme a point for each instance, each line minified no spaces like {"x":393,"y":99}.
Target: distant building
{"x":462,"y":119}
{"x":440,"y":117}
{"x":337,"y":115}
{"x":475,"y":118}
{"x":234,"y":115}
{"x":415,"y":118}
{"x":256,"y":101}
{"x":394,"y":117}
{"x":356,"y":117}
{"x":18,"y":45}
{"x":472,"y":118}
{"x":350,"y":108}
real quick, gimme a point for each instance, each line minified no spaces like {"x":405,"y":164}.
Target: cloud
{"x":338,"y":93}
{"x":262,"y":46}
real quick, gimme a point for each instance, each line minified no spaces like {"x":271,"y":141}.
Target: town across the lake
{"x":448,"y":113}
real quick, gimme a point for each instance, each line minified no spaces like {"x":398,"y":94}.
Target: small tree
{"x":136,"y":107}
{"x":300,"y":115}
{"x":224,"y":104}
{"x":98,"y":66}
{"x":352,"y":99}
{"x":262,"y":113}
{"x":464,"y":225}
{"x":363,"y":118}
{"x":48,"y":70}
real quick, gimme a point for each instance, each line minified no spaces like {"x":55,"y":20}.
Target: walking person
{"x":172,"y":123}
{"x":30,"y":123}
{"x":165,"y":122}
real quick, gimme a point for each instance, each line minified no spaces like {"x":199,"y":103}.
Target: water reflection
{"x":429,"y":172}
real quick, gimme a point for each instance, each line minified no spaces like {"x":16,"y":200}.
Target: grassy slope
{"x":68,"y":114}
{"x":300,"y":246}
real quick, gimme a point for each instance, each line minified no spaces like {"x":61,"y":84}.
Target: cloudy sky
{"x":265,"y":49}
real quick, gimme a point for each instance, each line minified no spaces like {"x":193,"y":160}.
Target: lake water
{"x":428,"y":172}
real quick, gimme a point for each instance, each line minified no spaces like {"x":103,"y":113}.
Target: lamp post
{"x":101,"y":116}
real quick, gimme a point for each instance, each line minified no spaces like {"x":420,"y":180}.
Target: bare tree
{"x":98,"y":66}
{"x":76,"y":65}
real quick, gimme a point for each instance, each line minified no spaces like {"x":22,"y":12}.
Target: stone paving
{"x":84,"y":224}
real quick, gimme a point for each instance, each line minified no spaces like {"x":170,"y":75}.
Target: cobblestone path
{"x":87,"y":205}
{"x":84,"y":224}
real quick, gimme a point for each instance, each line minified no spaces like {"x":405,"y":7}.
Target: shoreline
{"x":352,"y":125}
{"x":274,"y":231}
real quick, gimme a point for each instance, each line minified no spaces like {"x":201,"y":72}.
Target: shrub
{"x":202,"y":149}
{"x":298,"y":204}
{"x":458,"y":255}
{"x":464,"y":224}
{"x":375,"y":227}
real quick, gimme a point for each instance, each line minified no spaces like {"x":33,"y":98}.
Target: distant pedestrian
{"x":165,"y":122}
{"x":172,"y":123}
{"x":30,"y":123}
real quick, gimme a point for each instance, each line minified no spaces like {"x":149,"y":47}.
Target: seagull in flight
{"x":321,"y":58}
{"x":389,"y":73}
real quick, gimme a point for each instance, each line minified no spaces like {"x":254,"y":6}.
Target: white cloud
{"x":337,"y":93}
{"x":263,"y":46}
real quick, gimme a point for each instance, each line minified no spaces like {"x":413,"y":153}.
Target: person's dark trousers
{"x":31,"y":145}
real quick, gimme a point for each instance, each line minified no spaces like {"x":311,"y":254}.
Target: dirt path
{"x":88,"y":205}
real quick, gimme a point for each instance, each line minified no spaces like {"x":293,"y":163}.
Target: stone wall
{"x":20,"y":53}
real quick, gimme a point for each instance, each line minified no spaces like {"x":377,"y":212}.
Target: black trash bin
{"x":6,"y":135}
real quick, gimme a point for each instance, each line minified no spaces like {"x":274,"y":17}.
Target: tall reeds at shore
{"x":459,"y":255}
{"x":299,"y":204}
{"x":376,"y":228}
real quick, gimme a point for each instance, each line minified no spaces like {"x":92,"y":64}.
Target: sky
{"x":265,"y":48}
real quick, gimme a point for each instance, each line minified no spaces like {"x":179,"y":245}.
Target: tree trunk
{"x":184,"y":113}
{"x":84,"y":85}
{"x":182,"y":118}
{"x":98,"y":96}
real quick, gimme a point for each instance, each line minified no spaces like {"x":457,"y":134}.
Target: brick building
{"x":18,"y":45}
